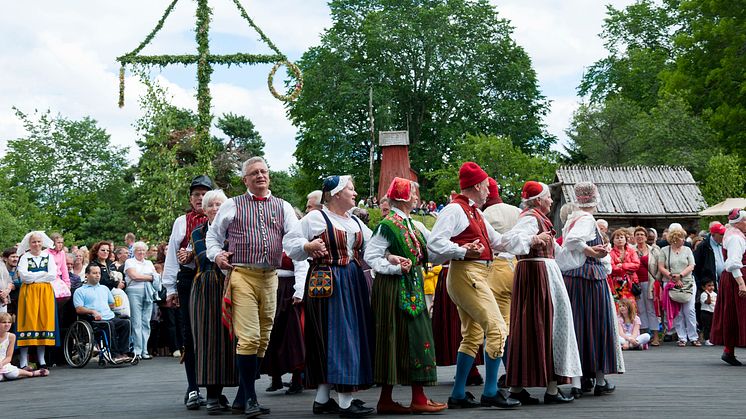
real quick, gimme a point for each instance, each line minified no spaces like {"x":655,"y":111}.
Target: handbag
{"x":636,"y":289}
{"x":61,"y":290}
{"x":683,"y":294}
{"x":320,"y":282}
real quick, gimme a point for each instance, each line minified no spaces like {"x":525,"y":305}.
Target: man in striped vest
{"x":253,"y":225}
{"x":462,"y":236}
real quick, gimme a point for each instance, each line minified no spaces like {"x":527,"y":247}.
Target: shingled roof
{"x":636,"y":190}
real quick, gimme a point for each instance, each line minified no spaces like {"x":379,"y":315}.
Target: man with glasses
{"x":178,"y":274}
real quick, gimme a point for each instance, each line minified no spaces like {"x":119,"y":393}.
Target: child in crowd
{"x":7,"y":343}
{"x":708,"y":298}
{"x":629,"y":327}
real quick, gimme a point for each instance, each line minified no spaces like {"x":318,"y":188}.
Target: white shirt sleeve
{"x":291,"y":220}
{"x":305,"y":230}
{"x":219,"y":228}
{"x":300,"y":270}
{"x":375,"y":256}
{"x":517,"y":240}
{"x":735,"y":246}
{"x":171,"y":265}
{"x":451,"y":222}
{"x":584,"y":230}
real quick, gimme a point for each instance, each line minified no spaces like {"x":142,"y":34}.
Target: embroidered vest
{"x":255,"y":234}
{"x":544,"y":225}
{"x":476,"y":229}
{"x":336,"y":245}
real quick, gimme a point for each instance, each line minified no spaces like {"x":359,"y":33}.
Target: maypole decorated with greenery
{"x":205,"y":149}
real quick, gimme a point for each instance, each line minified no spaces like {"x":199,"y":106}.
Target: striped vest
{"x":544,"y":225}
{"x":593,"y":268}
{"x":255,"y":234}
{"x":336,"y":245}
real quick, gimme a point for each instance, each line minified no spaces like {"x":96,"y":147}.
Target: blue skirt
{"x":339,"y":333}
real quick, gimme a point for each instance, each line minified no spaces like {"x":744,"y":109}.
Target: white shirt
{"x":518,"y":240}
{"x":300,"y":270}
{"x":171,"y":265}
{"x":227,"y":212}
{"x":313,"y":224}
{"x":375,"y":250}
{"x":713,"y":300}
{"x":574,"y":240}
{"x":734,"y":245}
{"x":451,"y":222}
{"x":143,"y":268}
{"x":35,"y":277}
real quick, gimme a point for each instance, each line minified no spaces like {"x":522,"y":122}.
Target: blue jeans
{"x":141,"y":310}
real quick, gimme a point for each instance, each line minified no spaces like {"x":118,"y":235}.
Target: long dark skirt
{"x":396,"y":332}
{"x":446,"y":325}
{"x":595,"y":329}
{"x":729,"y":320}
{"x":339,"y":333}
{"x":287,"y":350}
{"x":214,"y":352}
{"x":530,"y":355}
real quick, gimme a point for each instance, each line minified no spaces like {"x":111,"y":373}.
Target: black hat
{"x":201,"y":181}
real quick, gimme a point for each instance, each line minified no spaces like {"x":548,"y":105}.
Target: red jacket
{"x":630,"y":264}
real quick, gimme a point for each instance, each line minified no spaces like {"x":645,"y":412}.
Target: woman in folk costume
{"x":594,"y":315}
{"x":214,"y":354}
{"x":542,"y":350}
{"x":37,"y":319}
{"x":404,"y":351}
{"x":729,"y":320}
{"x":339,"y":325}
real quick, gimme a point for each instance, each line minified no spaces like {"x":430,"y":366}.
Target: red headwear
{"x":470,"y":174}
{"x":532,"y":190}
{"x":717,"y":229}
{"x":400,"y":189}
{"x":494,"y":194}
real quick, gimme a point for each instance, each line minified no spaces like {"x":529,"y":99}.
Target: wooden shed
{"x":634,"y":195}
{"x":394,"y":159}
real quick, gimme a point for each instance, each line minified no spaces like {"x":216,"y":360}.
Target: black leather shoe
{"x":731,"y":359}
{"x":254,"y":409}
{"x":295,"y":388}
{"x":501,"y":381}
{"x":607,"y":388}
{"x":576,"y":392}
{"x":329,"y":407}
{"x":467,"y":402}
{"x":202,"y":400}
{"x":586,"y":384}
{"x":274,"y":387}
{"x":355,"y":411}
{"x":558,"y":398}
{"x":524,"y":397}
{"x":225,"y":405}
{"x":213,"y":407}
{"x":500,"y":400}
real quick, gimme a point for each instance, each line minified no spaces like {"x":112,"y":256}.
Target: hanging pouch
{"x":320,"y":283}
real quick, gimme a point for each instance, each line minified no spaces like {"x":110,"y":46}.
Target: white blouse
{"x":375,"y":250}
{"x":313,"y":224}
{"x":36,"y":277}
{"x":518,"y":240}
{"x":735,"y":245}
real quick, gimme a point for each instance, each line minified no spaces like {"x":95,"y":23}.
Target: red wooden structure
{"x":394,"y":159}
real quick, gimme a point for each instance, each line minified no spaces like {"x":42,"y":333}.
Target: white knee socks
{"x":322,"y":393}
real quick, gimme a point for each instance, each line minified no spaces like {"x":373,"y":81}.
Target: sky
{"x":61,"y":56}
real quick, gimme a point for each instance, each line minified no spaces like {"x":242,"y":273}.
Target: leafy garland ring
{"x":298,"y":81}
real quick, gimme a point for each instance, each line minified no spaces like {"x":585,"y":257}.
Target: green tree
{"x":502,"y":160}
{"x":439,"y":69}
{"x":723,"y":179}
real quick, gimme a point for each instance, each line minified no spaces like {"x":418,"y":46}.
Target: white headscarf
{"x":46,"y":242}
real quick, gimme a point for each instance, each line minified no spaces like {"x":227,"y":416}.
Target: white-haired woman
{"x":37,"y":324}
{"x":594,"y":316}
{"x":138,"y":271}
{"x":339,"y":327}
{"x":676,"y":264}
{"x":729,"y":320}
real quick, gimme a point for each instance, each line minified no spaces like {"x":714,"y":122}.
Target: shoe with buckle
{"x":468,"y":402}
{"x":524,"y":397}
{"x":192,"y":400}
{"x":254,"y":409}
{"x":355,"y":411}
{"x":330,"y":406}
{"x":731,"y":359}
{"x":558,"y":398}
{"x":607,"y":388}
{"x":501,"y":399}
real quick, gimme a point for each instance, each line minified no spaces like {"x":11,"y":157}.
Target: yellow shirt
{"x":431,"y":279}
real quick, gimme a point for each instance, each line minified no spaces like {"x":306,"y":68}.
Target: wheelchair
{"x":83,"y":337}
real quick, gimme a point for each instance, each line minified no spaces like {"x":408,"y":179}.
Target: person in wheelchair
{"x":95,"y":300}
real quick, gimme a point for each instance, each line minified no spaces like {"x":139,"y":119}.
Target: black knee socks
{"x":247,"y":369}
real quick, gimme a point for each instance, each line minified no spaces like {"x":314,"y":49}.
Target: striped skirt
{"x":214,"y":352}
{"x":595,"y":325}
{"x":393,"y":362}
{"x":286,"y":351}
{"x":37,"y":316}
{"x":339,"y":333}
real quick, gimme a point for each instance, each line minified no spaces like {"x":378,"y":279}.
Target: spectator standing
{"x":58,"y":252}
{"x":75,"y":280}
{"x":101,"y":252}
{"x":709,"y":260}
{"x":647,"y":275}
{"x":708,"y":299}
{"x":677,"y":264}
{"x":121,"y":254}
{"x":624,"y":266}
{"x":138,"y":273}
{"x":129,"y":241}
{"x":10,"y":260}
{"x":36,"y":306}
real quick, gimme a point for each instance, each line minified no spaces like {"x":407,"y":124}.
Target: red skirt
{"x":446,"y":325}
{"x":729,"y":320}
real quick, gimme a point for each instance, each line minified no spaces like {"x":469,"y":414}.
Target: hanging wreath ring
{"x":298,"y":81}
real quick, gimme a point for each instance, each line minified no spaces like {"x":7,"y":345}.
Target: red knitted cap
{"x":470,"y":174}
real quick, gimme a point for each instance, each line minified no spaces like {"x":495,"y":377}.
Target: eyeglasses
{"x":255,"y":173}
{"x":104,"y":250}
